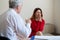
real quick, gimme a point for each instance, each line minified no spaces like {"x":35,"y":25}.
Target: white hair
{"x":15,"y":3}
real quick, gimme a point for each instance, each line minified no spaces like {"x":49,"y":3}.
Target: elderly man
{"x":12,"y":25}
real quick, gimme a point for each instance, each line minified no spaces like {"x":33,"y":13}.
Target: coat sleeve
{"x":24,"y":30}
{"x":21,"y":29}
{"x":15,"y":27}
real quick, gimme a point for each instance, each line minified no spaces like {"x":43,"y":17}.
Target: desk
{"x":46,"y":38}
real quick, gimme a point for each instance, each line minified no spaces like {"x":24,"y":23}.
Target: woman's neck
{"x":38,"y":19}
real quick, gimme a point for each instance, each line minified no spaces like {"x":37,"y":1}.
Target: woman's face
{"x":38,"y":14}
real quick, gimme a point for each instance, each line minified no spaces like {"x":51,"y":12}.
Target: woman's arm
{"x":42,"y":25}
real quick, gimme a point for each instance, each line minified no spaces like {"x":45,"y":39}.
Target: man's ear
{"x":17,"y":7}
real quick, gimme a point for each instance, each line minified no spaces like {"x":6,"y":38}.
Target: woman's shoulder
{"x":32,"y":20}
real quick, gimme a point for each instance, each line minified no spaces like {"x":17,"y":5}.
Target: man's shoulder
{"x":7,"y":14}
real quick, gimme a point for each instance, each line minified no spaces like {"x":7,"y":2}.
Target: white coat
{"x":11,"y":25}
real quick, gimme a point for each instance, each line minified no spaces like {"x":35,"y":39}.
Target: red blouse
{"x":36,"y":26}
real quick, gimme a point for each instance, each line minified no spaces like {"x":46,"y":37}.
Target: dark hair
{"x":33,"y":16}
{"x":12,"y":4}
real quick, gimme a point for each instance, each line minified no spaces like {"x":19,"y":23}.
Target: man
{"x":11,"y":23}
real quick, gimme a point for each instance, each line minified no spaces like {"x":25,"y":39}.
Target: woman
{"x":38,"y":22}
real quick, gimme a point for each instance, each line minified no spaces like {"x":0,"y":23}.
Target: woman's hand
{"x":41,"y":19}
{"x":39,"y":33}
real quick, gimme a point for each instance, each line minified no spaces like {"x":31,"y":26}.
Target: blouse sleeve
{"x":42,"y":25}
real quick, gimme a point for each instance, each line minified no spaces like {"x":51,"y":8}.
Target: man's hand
{"x":28,"y":21}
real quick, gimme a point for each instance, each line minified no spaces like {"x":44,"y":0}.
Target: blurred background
{"x":50,"y":8}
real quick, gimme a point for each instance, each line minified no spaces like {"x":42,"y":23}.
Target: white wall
{"x":57,"y":15}
{"x":3,"y":6}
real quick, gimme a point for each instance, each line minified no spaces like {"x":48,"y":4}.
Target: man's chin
{"x":18,"y":12}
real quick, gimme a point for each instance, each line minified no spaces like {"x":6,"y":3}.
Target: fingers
{"x":28,"y":20}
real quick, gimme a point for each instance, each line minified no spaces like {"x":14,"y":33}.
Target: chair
{"x":4,"y":38}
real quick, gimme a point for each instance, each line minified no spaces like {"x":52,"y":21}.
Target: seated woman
{"x":37,"y":22}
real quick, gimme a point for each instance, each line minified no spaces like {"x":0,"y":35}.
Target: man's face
{"x":19,"y":8}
